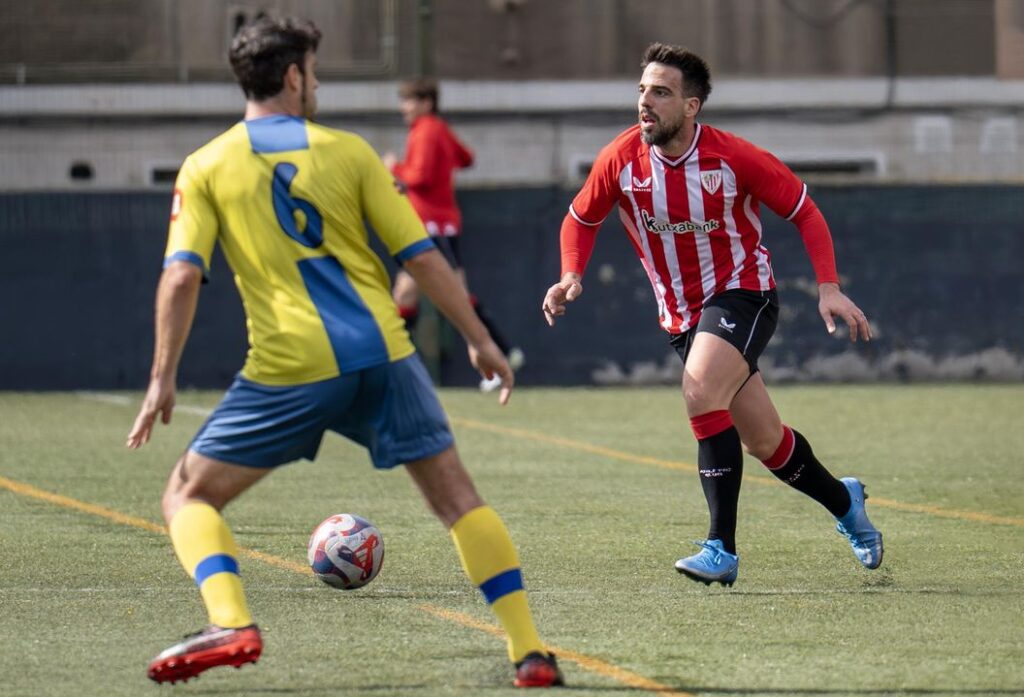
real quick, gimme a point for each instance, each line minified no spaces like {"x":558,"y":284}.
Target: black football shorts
{"x":450,"y":248}
{"x":744,"y":318}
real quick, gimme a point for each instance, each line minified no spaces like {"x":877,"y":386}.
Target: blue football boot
{"x":710,"y":564}
{"x":864,"y":538}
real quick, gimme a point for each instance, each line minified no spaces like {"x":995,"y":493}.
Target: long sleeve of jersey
{"x":589,"y":209}
{"x":817,"y":241}
{"x":577,"y":242}
{"x":774,"y":183}
{"x":421,"y":163}
{"x":463,"y":155}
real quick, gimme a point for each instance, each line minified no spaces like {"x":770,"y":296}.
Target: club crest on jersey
{"x":711,"y":180}
{"x":641,"y":184}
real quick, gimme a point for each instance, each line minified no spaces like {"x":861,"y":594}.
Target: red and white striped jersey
{"x":694,"y":221}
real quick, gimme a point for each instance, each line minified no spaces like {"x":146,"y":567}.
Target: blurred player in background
{"x":432,"y":154}
{"x":286,"y":200}
{"x":689,"y":197}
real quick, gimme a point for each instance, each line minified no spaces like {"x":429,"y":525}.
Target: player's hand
{"x":833,"y":303}
{"x":565,"y":291}
{"x":490,"y":361}
{"x":159,"y":400}
{"x":390,"y":160}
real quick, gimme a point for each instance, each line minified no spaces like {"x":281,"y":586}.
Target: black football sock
{"x":794,"y":463}
{"x":488,"y":322}
{"x":720,"y":464}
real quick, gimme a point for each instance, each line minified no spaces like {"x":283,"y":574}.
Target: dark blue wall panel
{"x":939,"y":270}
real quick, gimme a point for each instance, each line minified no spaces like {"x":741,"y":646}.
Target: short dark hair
{"x":263,"y":49}
{"x":420,"y":88}
{"x":696,"y":74}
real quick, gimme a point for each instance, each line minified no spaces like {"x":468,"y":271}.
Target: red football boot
{"x":538,"y":670}
{"x":209,"y":648}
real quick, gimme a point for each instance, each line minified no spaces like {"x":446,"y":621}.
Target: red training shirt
{"x":432,"y":153}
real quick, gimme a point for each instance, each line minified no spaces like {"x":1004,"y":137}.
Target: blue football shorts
{"x":390,"y":409}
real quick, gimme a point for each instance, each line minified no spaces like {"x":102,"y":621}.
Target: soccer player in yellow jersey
{"x":286,"y":200}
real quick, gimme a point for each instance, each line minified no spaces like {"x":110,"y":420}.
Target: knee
{"x":762,"y":444}
{"x":171,"y":502}
{"x":404,"y":292}
{"x":180,"y":490}
{"x":761,"y":447}
{"x":405,"y":298}
{"x":699,"y":397}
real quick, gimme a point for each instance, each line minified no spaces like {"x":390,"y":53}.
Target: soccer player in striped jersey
{"x":286,"y":199}
{"x":689,"y":197}
{"x":432,"y":154}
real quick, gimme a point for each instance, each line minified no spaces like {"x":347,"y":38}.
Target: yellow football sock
{"x":206,"y":549}
{"x":491,"y":562}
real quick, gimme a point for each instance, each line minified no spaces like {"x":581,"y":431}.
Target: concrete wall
{"x":941,"y":131}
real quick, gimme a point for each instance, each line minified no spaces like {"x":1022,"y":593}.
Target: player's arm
{"x":419,"y":168}
{"x":832,"y":302}
{"x":579,"y":233}
{"x":577,"y":243}
{"x":176,"y":298}
{"x":435,"y":279}
{"x":401,"y":230}
{"x":190,"y":240}
{"x":463,"y":155}
{"x":774,"y":183}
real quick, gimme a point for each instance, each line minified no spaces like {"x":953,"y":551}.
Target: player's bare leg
{"x":407,"y":298}
{"x":714,"y":372}
{"x":405,"y":293}
{"x":788,"y":455}
{"x":196,"y":491}
{"x":756,"y":418}
{"x":196,"y":477}
{"x":489,"y":560}
{"x":515,"y":355}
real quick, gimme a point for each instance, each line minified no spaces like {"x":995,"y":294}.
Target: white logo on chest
{"x":711,"y":180}
{"x":641,"y":184}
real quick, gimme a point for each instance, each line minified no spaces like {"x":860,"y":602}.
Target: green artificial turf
{"x":598,"y":490}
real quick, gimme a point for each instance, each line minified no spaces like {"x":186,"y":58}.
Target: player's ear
{"x":692,"y":107}
{"x":293,"y":77}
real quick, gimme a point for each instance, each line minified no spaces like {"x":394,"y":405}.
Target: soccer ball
{"x":346,"y":551}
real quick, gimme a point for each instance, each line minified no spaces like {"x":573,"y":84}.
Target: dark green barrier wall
{"x":940,"y":271}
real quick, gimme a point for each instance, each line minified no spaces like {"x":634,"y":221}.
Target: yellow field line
{"x":624,"y":456}
{"x":92,"y":509}
{"x":572,"y":444}
{"x":588,"y":663}
{"x":948,"y":513}
{"x":687,"y":467}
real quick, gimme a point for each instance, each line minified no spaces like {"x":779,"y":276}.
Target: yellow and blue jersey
{"x":287,"y":200}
